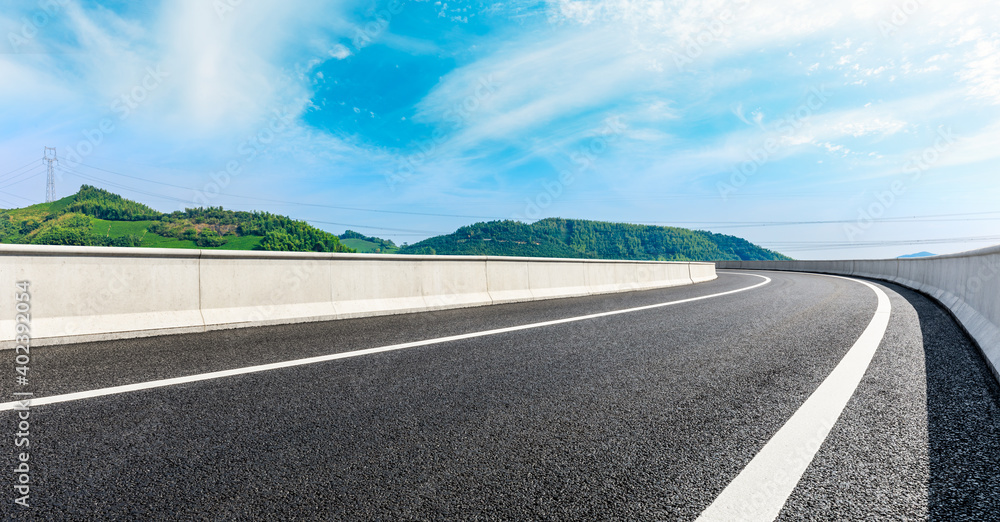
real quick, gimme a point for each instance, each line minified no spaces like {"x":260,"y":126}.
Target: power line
{"x":906,"y":219}
{"x":297,"y":203}
{"x":716,"y":224}
{"x":118,"y":185}
{"x":807,"y":246}
{"x":96,"y":179}
{"x":421,"y":232}
{"x":886,"y":241}
{"x":26,"y":175}
{"x":22,"y":167}
{"x":9,"y":202}
{"x":713,"y":224}
{"x":135,"y":177}
{"x":32,"y":201}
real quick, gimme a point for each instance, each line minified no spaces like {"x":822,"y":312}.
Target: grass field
{"x":364,"y":247}
{"x":234,"y":243}
{"x":152,"y":240}
{"x":40,"y":210}
{"x":360,"y":245}
{"x":240,"y":243}
{"x":103,"y":227}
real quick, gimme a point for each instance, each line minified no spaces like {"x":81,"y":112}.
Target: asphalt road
{"x":646,"y":415}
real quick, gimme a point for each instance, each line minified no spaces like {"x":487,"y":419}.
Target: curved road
{"x":647,"y":414}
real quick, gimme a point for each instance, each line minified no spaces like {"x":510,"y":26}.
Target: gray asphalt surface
{"x":640,"y":416}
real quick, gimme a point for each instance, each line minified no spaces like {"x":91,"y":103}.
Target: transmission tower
{"x":50,"y":182}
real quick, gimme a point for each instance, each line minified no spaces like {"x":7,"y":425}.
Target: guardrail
{"x":967,"y":284}
{"x":82,"y":294}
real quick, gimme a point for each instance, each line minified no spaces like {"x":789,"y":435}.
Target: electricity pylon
{"x":50,"y":182}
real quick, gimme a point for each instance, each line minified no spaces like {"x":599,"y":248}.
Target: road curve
{"x":644,"y":415}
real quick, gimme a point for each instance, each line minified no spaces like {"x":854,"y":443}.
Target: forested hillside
{"x":555,"y":237}
{"x":96,"y":217}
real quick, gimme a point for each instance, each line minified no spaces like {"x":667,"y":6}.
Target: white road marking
{"x":760,"y":491}
{"x":114,"y":390}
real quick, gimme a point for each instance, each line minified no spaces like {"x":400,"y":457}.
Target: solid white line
{"x":344,"y":355}
{"x":760,"y":491}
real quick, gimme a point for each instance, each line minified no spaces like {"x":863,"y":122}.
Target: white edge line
{"x":54,"y":399}
{"x":760,"y":491}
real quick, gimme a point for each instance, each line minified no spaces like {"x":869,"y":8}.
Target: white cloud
{"x":660,"y":110}
{"x":857,"y":123}
{"x":972,"y":148}
{"x":34,"y":86}
{"x":982,"y":70}
{"x":339,"y":51}
{"x":602,"y":53}
{"x":228,"y":73}
{"x":519,"y":90}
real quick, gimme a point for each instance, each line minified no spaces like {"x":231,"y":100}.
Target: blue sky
{"x":847,"y":130}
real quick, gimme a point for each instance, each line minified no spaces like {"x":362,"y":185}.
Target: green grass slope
{"x":97,"y":217}
{"x":366,"y":244}
{"x":360,"y":245}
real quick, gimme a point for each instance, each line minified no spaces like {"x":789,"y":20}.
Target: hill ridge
{"x":97,"y":217}
{"x":580,"y":238}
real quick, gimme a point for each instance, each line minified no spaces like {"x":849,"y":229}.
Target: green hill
{"x":575,"y":238}
{"x":96,"y":217}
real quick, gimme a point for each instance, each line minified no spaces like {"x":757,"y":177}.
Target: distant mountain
{"x":918,"y":254}
{"x":96,"y":217}
{"x":576,"y":238}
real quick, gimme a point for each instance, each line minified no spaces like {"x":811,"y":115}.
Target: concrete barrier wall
{"x":78,"y":292}
{"x":967,"y":283}
{"x":701,"y":273}
{"x":88,"y":293}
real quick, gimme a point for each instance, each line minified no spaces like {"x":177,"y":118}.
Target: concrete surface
{"x":92,"y":293}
